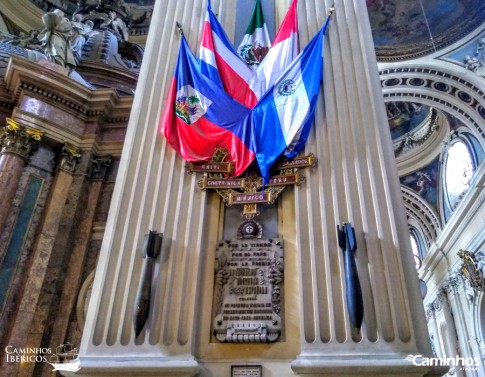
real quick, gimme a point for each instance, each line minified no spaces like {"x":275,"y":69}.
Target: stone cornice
{"x":24,"y":76}
{"x":95,"y":110}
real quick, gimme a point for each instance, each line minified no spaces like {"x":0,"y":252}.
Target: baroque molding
{"x":418,"y":209}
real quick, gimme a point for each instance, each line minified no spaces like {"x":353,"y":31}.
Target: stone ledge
{"x":131,"y":366}
{"x":312,"y":366}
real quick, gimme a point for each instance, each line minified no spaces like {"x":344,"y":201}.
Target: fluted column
{"x":356,"y":180}
{"x":17,"y":144}
{"x":152,"y":192}
{"x":22,"y":329}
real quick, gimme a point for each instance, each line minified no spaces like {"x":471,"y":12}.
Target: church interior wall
{"x":53,"y":234}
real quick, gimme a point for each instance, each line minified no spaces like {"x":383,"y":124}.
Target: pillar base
{"x":312,"y":366}
{"x":132,"y":366}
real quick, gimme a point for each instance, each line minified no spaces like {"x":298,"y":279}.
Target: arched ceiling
{"x":406,"y":29}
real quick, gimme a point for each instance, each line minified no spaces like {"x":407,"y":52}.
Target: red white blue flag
{"x":221,"y":63}
{"x":201,"y":116}
{"x":284,"y":115}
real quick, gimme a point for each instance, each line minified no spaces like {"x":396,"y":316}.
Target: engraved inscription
{"x":247,"y":302}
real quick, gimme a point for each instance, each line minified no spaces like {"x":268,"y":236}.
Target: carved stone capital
{"x":19,"y":140}
{"x":430,"y":310}
{"x":70,"y":158}
{"x":99,"y":167}
{"x":440,"y":301}
{"x":455,"y":283}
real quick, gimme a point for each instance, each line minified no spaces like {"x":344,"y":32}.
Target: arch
{"x":442,"y":86}
{"x":421,"y":215}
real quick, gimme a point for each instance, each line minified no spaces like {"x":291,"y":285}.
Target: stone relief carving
{"x":429,"y":310}
{"x":56,"y":39}
{"x":96,"y":32}
{"x":476,"y":63}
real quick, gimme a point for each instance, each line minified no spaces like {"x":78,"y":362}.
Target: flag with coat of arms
{"x":221,"y":63}
{"x":256,"y":43}
{"x":200,"y":117}
{"x":283,"y":117}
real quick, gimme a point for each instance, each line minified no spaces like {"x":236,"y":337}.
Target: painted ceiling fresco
{"x":425,"y":182}
{"x":411,"y":28}
{"x":404,"y":117}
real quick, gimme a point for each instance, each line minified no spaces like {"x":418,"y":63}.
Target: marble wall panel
{"x":45,"y":110}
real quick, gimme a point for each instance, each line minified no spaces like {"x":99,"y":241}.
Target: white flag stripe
{"x":232,"y":60}
{"x":208,"y":56}
{"x":274,"y":64}
{"x":292,"y":109}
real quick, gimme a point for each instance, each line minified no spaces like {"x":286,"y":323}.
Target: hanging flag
{"x":256,"y":43}
{"x":282,"y":53}
{"x":220,"y":62}
{"x":200,"y":116}
{"x":284,"y":115}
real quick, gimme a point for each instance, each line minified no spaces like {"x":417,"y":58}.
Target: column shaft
{"x":11,"y":167}
{"x":23,"y":326}
{"x":74,"y":271}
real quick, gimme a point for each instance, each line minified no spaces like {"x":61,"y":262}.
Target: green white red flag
{"x":256,"y":43}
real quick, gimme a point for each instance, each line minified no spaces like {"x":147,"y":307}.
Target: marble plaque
{"x":246,"y":371}
{"x":247,"y":297}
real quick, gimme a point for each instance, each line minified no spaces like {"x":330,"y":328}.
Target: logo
{"x":26,"y":355}
{"x":287,"y":88}
{"x":190,"y":105}
{"x":65,"y":357}
{"x":464,"y":363}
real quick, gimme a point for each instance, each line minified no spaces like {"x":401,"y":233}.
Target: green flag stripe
{"x":257,"y":20}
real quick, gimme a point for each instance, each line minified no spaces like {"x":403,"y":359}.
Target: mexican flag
{"x":256,"y":43}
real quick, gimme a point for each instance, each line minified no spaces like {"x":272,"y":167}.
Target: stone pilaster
{"x":17,"y":144}
{"x":461,"y":304}
{"x":447,"y":331}
{"x":23,"y":333}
